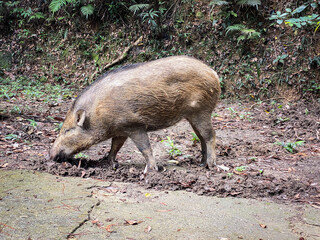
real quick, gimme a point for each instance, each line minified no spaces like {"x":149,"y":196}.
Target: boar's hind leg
{"x":117,"y":143}
{"x":201,"y":124}
{"x":141,"y":140}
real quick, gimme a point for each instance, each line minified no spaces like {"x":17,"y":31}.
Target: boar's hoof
{"x":208,"y":166}
{"x":115,"y":165}
{"x":150,"y":168}
{"x":106,"y":161}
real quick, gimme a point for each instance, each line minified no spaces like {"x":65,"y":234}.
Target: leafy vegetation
{"x":32,"y":90}
{"x":291,"y":146}
{"x":172,"y":149}
{"x":298,"y":22}
{"x":240,"y":168}
{"x":81,"y":155}
{"x":254,"y":46}
{"x":246,"y":33}
{"x":195,"y":138}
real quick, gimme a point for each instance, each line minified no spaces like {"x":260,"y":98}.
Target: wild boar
{"x":135,"y":99}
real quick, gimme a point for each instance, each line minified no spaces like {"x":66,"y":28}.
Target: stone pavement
{"x":37,"y":205}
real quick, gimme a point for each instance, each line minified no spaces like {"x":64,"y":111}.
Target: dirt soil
{"x":253,"y":165}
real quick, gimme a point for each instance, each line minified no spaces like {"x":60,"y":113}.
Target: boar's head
{"x":74,"y":136}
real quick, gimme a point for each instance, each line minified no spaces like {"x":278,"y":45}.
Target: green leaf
{"x":249,"y":2}
{"x":56,"y":5}
{"x":218,"y":2}
{"x":236,"y":27}
{"x":137,"y":7}
{"x":299,"y":9}
{"x":37,"y":15}
{"x":299,"y":143}
{"x":279,"y":21}
{"x":87,"y":10}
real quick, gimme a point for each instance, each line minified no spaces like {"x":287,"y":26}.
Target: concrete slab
{"x":36,"y":205}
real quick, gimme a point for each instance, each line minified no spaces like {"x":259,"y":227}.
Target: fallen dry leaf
{"x":5,"y":165}
{"x":109,"y":219}
{"x":108,"y":228}
{"x":133,"y":222}
{"x":110,"y":189}
{"x":164,"y":210}
{"x":263,"y":225}
{"x":147,"y":229}
{"x":315,"y":206}
{"x":97,"y":222}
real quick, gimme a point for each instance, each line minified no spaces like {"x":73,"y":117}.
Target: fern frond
{"x":136,"y":7}
{"x":241,"y":37}
{"x":56,"y":5}
{"x":218,"y":2}
{"x":251,"y":33}
{"x":87,"y":10}
{"x":254,"y":3}
{"x":236,"y":27}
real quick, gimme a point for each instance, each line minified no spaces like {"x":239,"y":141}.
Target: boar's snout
{"x":56,"y":155}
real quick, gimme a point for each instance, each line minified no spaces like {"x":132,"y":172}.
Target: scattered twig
{"x":88,"y":218}
{"x":119,"y":59}
{"x":7,"y":226}
{"x":79,"y":165}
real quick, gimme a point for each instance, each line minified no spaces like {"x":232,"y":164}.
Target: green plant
{"x":215,"y":115}
{"x":56,"y":5}
{"x":58,"y":126}
{"x":12,"y":137}
{"x":173,"y":150}
{"x":233,"y":112}
{"x":288,"y":17}
{"x":291,"y":146}
{"x":281,"y":120}
{"x":5,"y":92}
{"x":254,"y":3}
{"x":195,"y":138}
{"x":33,"y":89}
{"x":229,"y":175}
{"x":280,"y":59}
{"x":81,"y":155}
{"x":33,"y":123}
{"x":16,"y":110}
{"x":246,"y":116}
{"x":87,"y":10}
{"x":150,"y":17}
{"x":246,"y":33}
{"x":240,"y":168}
{"x":137,"y":7}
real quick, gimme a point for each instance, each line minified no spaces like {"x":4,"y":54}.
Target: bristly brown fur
{"x":142,"y":97}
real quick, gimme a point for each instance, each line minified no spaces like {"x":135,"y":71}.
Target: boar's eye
{"x":67,"y":130}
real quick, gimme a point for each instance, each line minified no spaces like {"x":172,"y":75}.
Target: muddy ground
{"x":253,"y":165}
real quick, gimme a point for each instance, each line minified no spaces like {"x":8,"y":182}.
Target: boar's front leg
{"x":117,"y":143}
{"x":141,"y":140}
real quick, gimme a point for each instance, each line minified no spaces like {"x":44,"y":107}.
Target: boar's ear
{"x":81,"y":117}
